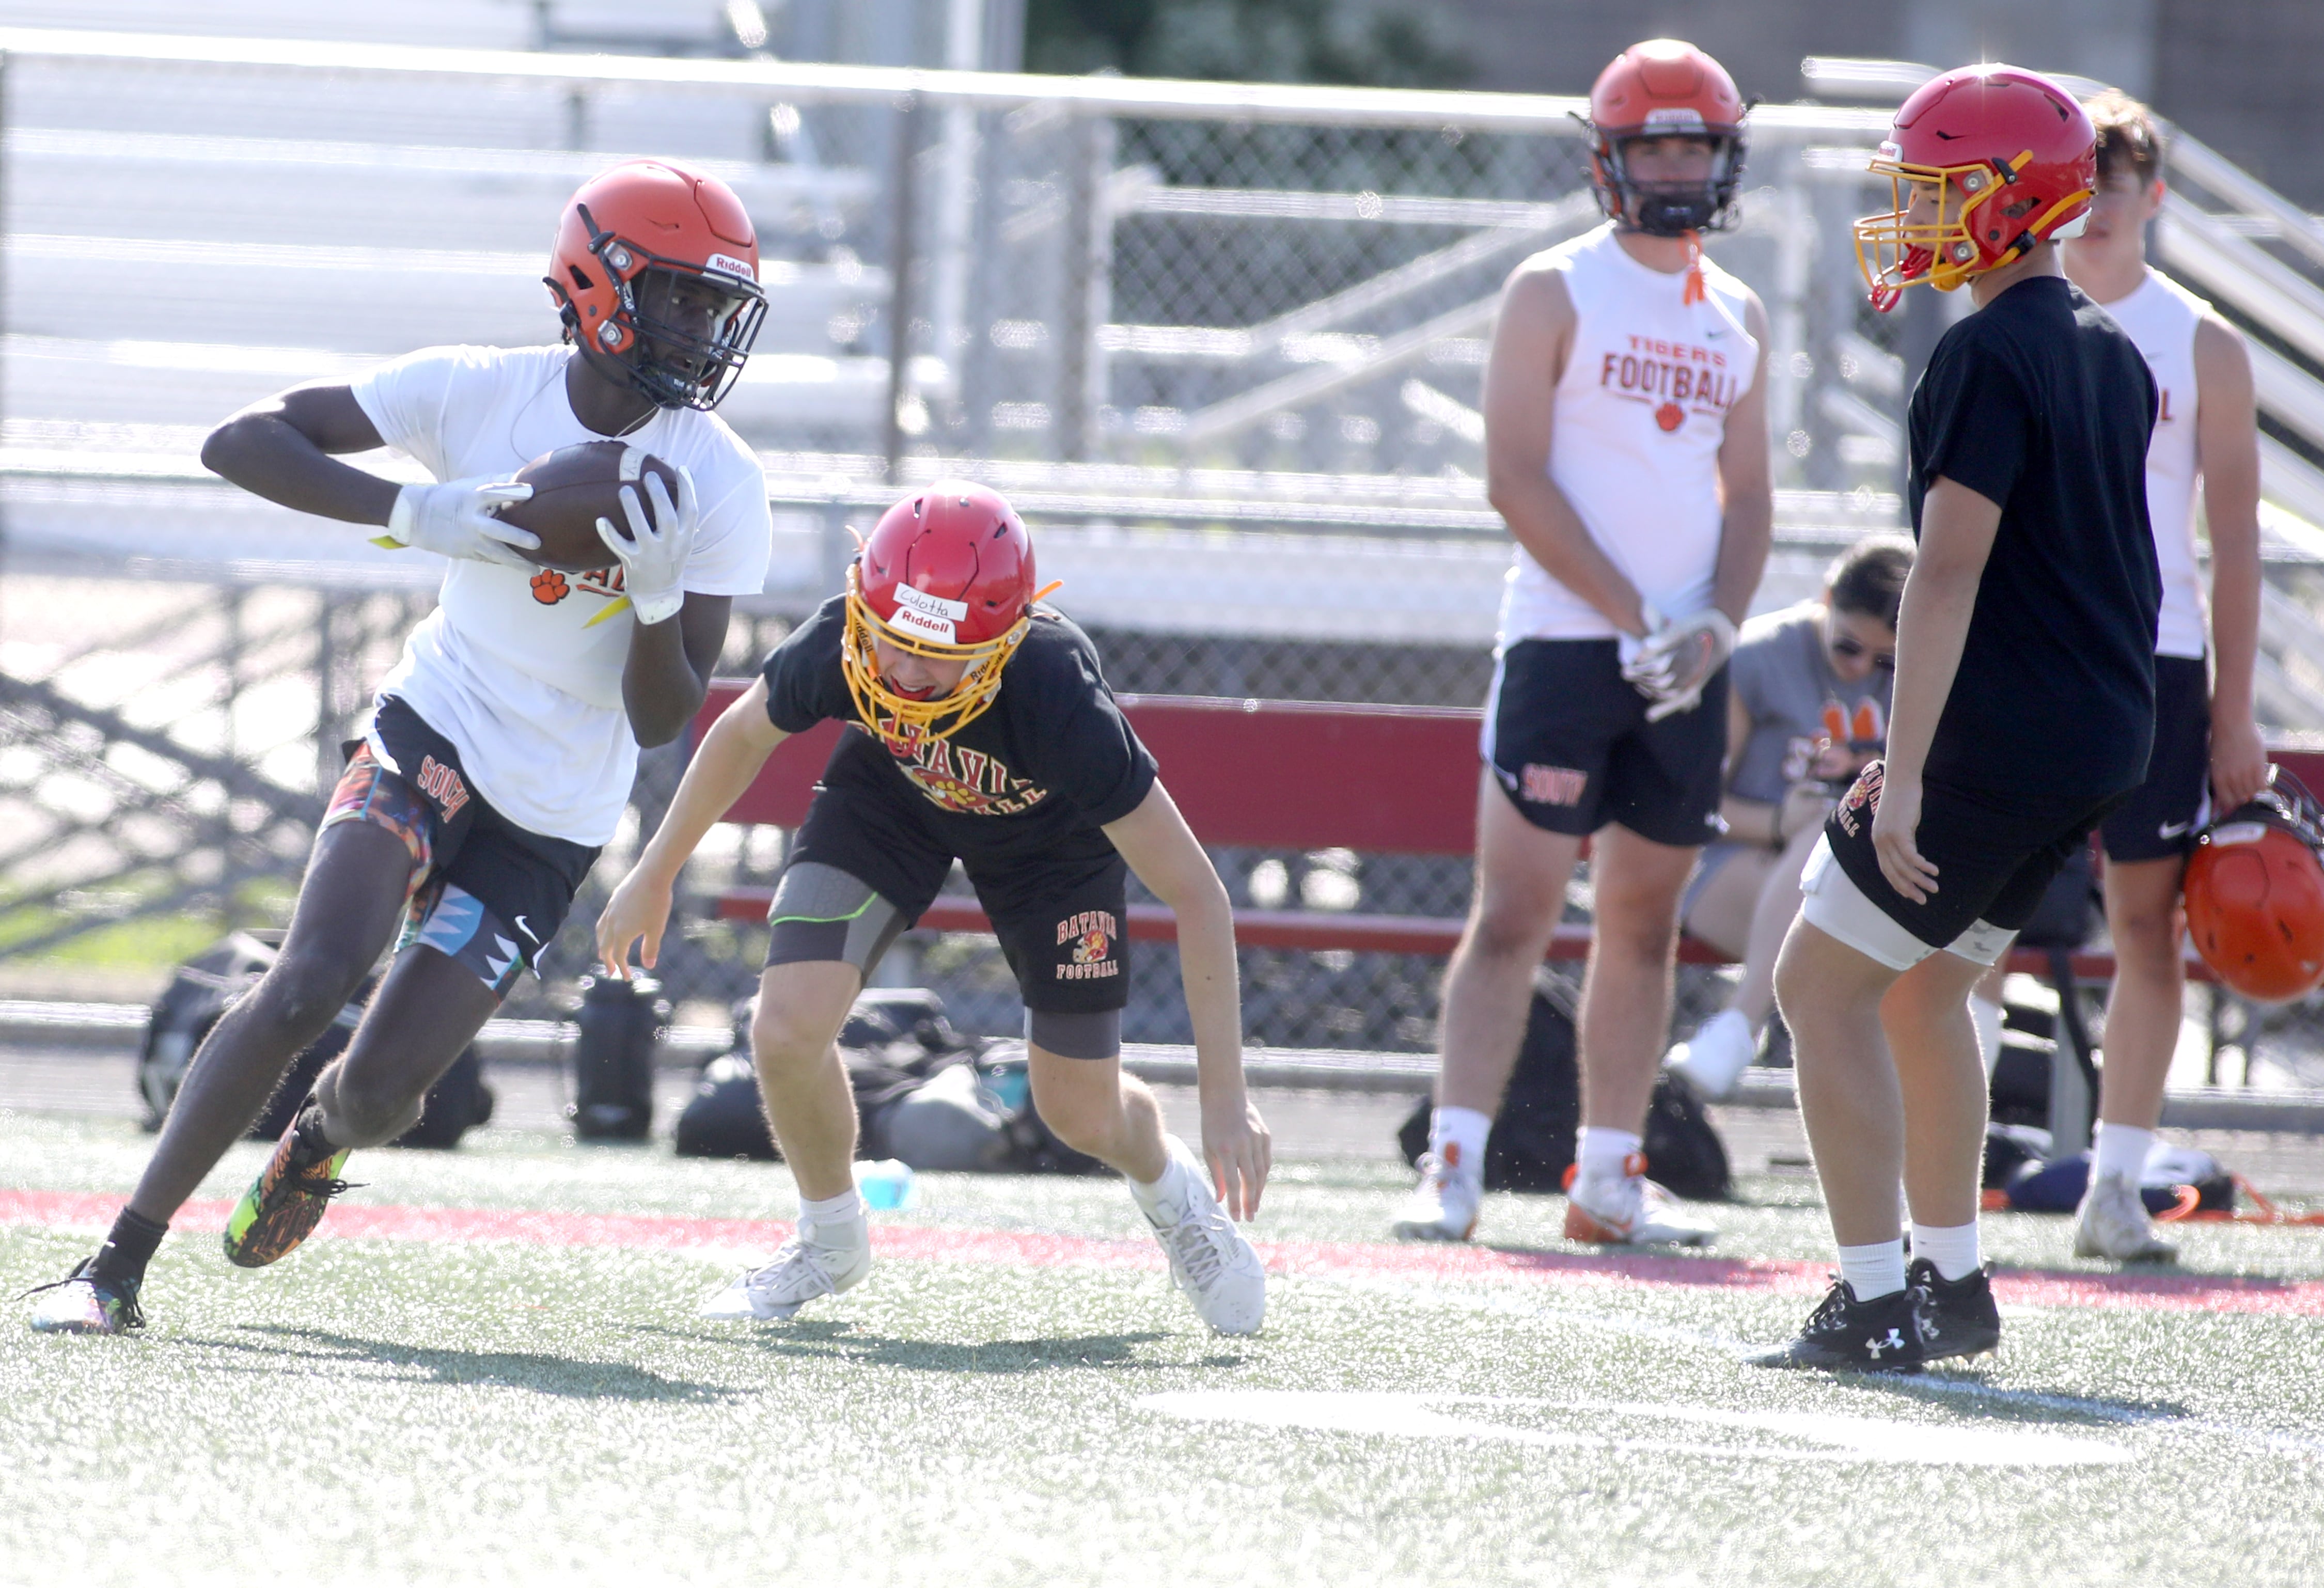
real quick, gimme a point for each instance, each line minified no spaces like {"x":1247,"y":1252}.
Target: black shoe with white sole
{"x":1957,"y":1316}
{"x":1845,"y":1335}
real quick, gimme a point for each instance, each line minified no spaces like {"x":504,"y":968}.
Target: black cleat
{"x":1845,"y":1335}
{"x":1957,"y":1316}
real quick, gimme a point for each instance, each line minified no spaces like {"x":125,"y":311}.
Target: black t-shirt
{"x":1051,"y":759}
{"x":2039,"y":402}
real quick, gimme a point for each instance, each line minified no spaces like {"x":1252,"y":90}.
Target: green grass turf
{"x":398,"y":1411}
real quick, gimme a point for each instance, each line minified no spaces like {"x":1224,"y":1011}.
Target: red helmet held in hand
{"x":2254,"y":892}
{"x":948,"y":574}
{"x":1999,"y":158}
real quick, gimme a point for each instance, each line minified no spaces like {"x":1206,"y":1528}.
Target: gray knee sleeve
{"x":822,"y":913}
{"x":1086,"y":1034}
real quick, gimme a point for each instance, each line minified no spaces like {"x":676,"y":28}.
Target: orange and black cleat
{"x":290,"y":1196}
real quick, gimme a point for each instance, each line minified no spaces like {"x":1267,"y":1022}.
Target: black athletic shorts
{"x":2161,"y":816}
{"x":1058,"y":914}
{"x":1568,"y":740}
{"x":1995,"y":858}
{"x":483,"y":891}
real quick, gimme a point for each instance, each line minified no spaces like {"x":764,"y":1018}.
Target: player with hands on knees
{"x":1626,"y":446}
{"x":501,"y":751}
{"x":978,"y":728}
{"x":2022,"y":705}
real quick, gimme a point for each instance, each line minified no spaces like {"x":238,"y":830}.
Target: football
{"x":575,"y":487}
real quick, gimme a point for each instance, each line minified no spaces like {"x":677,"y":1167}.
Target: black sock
{"x":129,"y":1248}
{"x":314,"y":1146}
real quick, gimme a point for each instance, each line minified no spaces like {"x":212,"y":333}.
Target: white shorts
{"x":1832,"y":903}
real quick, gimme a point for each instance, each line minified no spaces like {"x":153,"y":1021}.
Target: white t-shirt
{"x":1639,"y":416}
{"x":522,"y":670}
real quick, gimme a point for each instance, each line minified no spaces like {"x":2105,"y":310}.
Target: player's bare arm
{"x":723,"y":765}
{"x":1531,"y":338}
{"x":1745,"y":487}
{"x":282,"y":448}
{"x":1163,"y":853}
{"x":2226,"y":450}
{"x":1957,"y":529}
{"x":668,"y":670}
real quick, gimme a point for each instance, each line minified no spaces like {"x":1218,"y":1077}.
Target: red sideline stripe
{"x":1321,"y":1259}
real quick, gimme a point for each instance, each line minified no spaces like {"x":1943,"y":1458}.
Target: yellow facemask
{"x":943,"y":716}
{"x":1895,"y":254}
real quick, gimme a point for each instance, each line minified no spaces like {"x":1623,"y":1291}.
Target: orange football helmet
{"x":1663,"y":89}
{"x":2255,"y":891}
{"x":947,"y":573}
{"x":656,"y":266}
{"x":2010,"y":158}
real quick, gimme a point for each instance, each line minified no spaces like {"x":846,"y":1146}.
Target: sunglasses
{"x":1850,"y":647}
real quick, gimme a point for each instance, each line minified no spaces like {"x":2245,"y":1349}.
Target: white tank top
{"x":2161,"y":316}
{"x":1639,"y":415}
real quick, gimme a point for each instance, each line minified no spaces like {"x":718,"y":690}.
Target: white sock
{"x":1874,"y":1271}
{"x":1951,"y":1247}
{"x":1152,"y":1194}
{"x":1457,"y":1136}
{"x":2122,"y":1151}
{"x":1986,"y":1016}
{"x":1603,"y":1154}
{"x":845,"y":1208}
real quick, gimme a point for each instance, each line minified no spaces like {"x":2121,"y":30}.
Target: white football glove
{"x":653,"y":561}
{"x":1675,"y":659}
{"x":459,"y":519}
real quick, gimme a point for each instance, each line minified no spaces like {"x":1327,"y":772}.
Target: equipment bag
{"x":925,"y":1094}
{"x":1531,"y":1145}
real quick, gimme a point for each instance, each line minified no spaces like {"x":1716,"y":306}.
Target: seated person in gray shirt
{"x":1807,"y":705}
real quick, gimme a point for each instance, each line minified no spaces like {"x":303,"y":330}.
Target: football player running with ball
{"x":980,"y":728}
{"x":2207,"y":754}
{"x":1626,"y":444}
{"x":2023,"y":706}
{"x":504,"y":744}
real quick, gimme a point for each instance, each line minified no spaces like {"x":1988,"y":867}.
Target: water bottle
{"x":887,"y":1184}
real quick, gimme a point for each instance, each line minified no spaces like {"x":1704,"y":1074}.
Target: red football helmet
{"x":657,"y":267}
{"x":2010,"y":159}
{"x":2254,"y":892}
{"x":947,"y":573}
{"x":1658,"y":89}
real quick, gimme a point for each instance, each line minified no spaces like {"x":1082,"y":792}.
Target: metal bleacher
{"x":287,"y":191}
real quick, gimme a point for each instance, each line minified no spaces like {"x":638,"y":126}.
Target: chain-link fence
{"x":1222,"y":343}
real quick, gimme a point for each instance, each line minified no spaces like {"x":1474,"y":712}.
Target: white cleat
{"x":1210,"y":1260}
{"x":2112,"y":1223}
{"x":1444,"y":1205}
{"x":1714,"y":1058}
{"x":814,"y":1262}
{"x":1629,"y":1210}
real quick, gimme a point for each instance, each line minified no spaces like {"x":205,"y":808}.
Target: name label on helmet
{"x":1674,"y":118}
{"x":732,"y":267}
{"x":2239,"y":833}
{"x":932,"y":618}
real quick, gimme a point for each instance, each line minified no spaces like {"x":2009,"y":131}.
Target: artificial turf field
{"x":486,"y":1368}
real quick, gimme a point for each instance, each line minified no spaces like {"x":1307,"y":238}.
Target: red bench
{"x":1398,"y":779}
